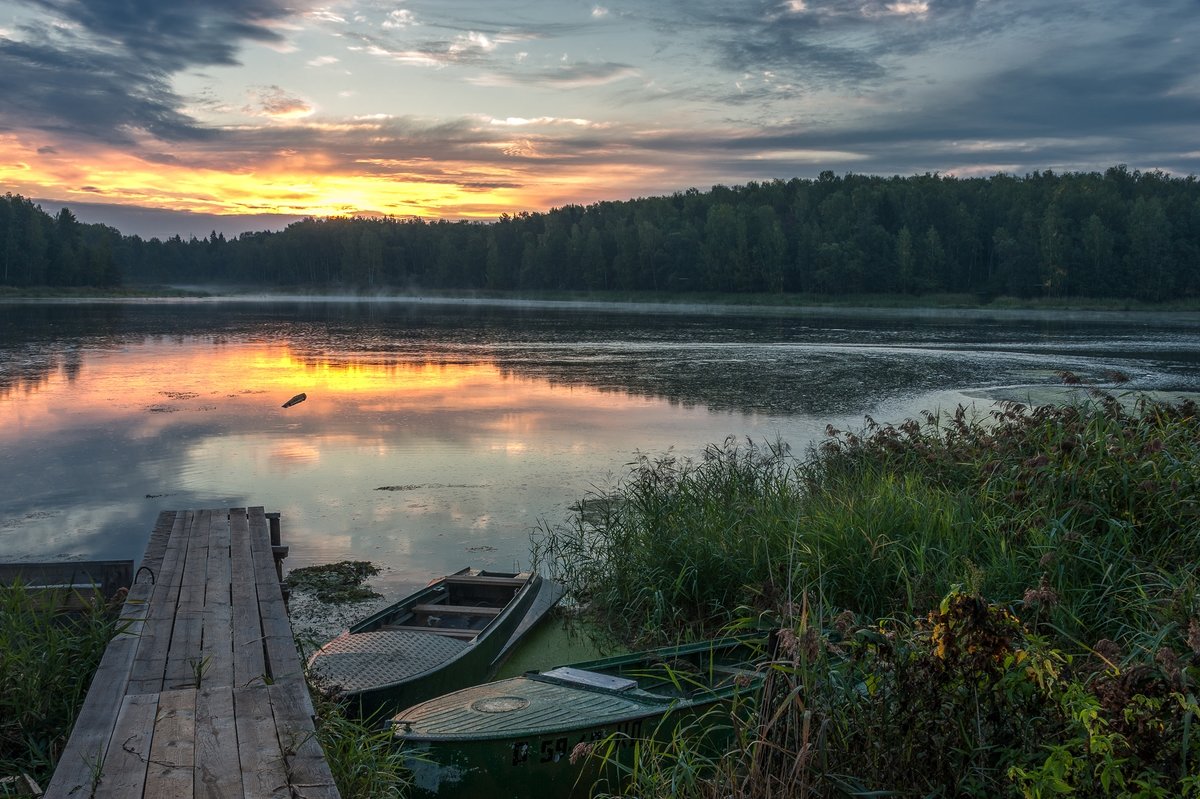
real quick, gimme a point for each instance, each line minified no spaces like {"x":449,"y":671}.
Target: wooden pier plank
{"x":228,"y":713}
{"x":172,"y":750}
{"x":263,"y":770}
{"x":249,"y":661}
{"x":124,"y":771}
{"x":282,"y":659}
{"x":218,"y":772}
{"x":216,"y":644}
{"x":185,"y":666}
{"x":309,"y":770}
{"x":146,"y":675}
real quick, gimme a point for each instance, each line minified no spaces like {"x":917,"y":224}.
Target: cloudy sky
{"x":470,"y":109}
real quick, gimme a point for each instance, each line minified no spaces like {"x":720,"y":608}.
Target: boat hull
{"x":569,"y":764}
{"x":377,"y":668}
{"x":559,"y":733}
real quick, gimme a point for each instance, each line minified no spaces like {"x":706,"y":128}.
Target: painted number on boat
{"x":552,"y":750}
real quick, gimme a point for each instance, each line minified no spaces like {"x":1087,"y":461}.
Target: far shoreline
{"x":956,"y":308}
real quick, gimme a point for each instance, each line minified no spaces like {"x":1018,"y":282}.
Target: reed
{"x":362,"y":754}
{"x":47,"y":658}
{"x":1058,"y":542}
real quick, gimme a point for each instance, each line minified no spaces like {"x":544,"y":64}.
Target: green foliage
{"x":1121,"y":234}
{"x":1080,"y":523}
{"x":47,"y":659}
{"x":37,"y":249}
{"x":335,"y":583}
{"x":363,"y":756}
{"x":644,"y":551}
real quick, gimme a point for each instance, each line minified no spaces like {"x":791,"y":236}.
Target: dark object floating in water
{"x":296,"y":400}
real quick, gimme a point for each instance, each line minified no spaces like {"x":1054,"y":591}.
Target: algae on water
{"x":335,"y":583}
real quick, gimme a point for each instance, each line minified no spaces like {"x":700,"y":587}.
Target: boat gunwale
{"x":653,"y":706}
{"x":522,"y":598}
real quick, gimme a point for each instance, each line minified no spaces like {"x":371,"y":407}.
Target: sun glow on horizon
{"x":312,"y":183}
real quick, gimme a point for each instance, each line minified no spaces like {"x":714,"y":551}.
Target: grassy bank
{"x":46,"y":664}
{"x":996,"y":606}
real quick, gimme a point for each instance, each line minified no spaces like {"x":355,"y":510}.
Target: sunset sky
{"x":440,"y":108}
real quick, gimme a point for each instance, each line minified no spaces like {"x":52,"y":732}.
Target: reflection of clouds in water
{"x":289,"y":454}
{"x":480,"y":424}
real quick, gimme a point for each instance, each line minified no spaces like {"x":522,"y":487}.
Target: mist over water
{"x":438,"y":435}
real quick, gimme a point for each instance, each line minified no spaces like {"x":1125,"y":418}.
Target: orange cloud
{"x":308,"y":182}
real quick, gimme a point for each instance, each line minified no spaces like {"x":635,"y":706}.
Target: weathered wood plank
{"x":156,"y":547}
{"x":172,"y":751}
{"x":185,"y":665}
{"x":93,"y":729}
{"x":307,"y":766}
{"x":123,"y":774}
{"x":282,"y":658}
{"x":216,"y":644}
{"x":218,"y":772}
{"x":263,"y":771}
{"x":215,"y":608}
{"x":146,"y":675}
{"x":249,"y":660}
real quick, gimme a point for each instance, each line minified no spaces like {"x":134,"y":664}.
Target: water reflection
{"x":436,"y":436}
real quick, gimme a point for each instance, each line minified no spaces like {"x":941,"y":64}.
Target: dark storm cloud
{"x":99,"y":95}
{"x":102,"y":68}
{"x":175,"y":35}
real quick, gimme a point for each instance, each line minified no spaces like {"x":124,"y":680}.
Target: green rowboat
{"x":540,"y":735}
{"x":454,"y":632}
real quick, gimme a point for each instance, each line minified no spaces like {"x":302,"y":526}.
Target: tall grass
{"x":47,"y":659}
{"x":997,"y":604}
{"x":363,"y":756}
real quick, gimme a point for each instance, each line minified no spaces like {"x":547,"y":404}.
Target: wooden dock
{"x":203,"y":695}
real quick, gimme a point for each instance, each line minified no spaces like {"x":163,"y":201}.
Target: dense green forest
{"x":1123,"y":233}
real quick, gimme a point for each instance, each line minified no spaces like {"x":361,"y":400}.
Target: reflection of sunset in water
{"x":422,"y":463}
{"x":156,"y":382}
{"x":437,"y":437}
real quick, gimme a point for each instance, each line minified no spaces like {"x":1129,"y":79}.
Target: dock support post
{"x":279,"y":551}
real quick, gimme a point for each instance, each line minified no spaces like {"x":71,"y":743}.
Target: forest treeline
{"x":1123,"y":233}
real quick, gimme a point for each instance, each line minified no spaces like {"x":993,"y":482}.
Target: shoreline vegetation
{"x":1118,"y":234}
{"x":1000,"y":605}
{"x":943,"y":306}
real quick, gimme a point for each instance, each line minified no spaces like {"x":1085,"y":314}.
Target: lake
{"x":439,"y":434}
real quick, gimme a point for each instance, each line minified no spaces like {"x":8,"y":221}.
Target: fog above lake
{"x":438,"y":435}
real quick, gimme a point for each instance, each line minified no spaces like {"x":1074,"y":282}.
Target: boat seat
{"x":457,"y":610}
{"x":449,"y":632}
{"x":593,"y":679}
{"x":478,"y":579}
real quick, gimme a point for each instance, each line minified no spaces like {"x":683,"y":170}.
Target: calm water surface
{"x":437,"y":435}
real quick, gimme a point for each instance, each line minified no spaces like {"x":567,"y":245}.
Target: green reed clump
{"x":1085,"y":516}
{"x":1077,"y":675}
{"x":1088,"y":514}
{"x":47,"y":659}
{"x":362,"y":754}
{"x":682,"y":543}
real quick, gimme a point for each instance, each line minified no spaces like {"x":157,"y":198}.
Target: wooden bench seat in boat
{"x":478,"y":579}
{"x":450,"y":632}
{"x":456,"y":610}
